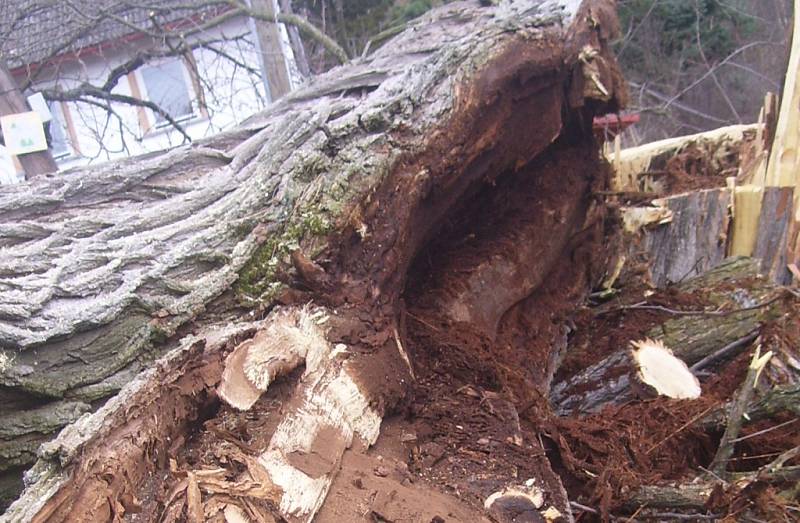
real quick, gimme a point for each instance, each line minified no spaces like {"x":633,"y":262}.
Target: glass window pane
{"x":59,"y":143}
{"x":166,"y":87}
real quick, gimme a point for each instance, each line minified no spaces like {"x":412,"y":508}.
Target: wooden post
{"x":272,"y":57}
{"x":11,"y":102}
{"x":785,"y":157}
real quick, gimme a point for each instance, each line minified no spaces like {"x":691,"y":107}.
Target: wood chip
{"x":194,"y":500}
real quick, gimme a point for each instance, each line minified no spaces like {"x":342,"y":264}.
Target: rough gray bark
{"x":100,"y":266}
{"x":694,"y":241}
{"x":773,"y":231}
{"x":697,"y":238}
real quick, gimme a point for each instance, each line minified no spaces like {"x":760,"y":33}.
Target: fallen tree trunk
{"x":695,"y":239}
{"x":687,"y":234}
{"x":327,"y":197}
{"x":730,"y":320}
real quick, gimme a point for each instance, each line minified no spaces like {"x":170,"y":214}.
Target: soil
{"x":379,"y":485}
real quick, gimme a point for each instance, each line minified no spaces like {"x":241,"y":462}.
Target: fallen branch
{"x":695,"y":496}
{"x":652,"y":515}
{"x":778,"y":462}
{"x":726,"y":351}
{"x":699,"y":340}
{"x":738,"y":409}
{"x":778,"y":400}
{"x":643,"y":305}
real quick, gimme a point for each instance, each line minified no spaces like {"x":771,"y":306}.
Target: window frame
{"x":195,"y":99}
{"x":59,"y":117}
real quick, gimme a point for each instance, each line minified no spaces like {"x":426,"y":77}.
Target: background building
{"x":214,"y":78}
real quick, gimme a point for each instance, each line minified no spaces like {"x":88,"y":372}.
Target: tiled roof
{"x":35,"y":30}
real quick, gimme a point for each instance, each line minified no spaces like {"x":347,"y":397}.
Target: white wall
{"x":232,"y":90}
{"x":8,"y":171}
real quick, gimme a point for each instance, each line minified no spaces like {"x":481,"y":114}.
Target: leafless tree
{"x":694,"y":65}
{"x":83,"y":52}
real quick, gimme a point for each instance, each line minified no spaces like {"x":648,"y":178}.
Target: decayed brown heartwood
{"x":326,"y":197}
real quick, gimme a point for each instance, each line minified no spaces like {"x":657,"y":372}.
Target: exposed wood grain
{"x":773,"y":232}
{"x":694,"y":241}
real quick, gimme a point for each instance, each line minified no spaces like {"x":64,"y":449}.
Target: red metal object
{"x":610,"y":125}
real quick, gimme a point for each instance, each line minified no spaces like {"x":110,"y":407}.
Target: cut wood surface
{"x":656,"y":367}
{"x":746,"y":214}
{"x":327,"y":196}
{"x":691,"y":337}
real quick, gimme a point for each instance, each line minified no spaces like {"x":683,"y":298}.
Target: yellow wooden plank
{"x":747,"y":204}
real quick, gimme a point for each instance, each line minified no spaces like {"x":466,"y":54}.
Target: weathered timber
{"x":165,"y":400}
{"x":639,"y":168}
{"x":696,"y":237}
{"x":694,"y":241}
{"x":773,"y":232}
{"x":682,"y":497}
{"x":691,"y":337}
{"x":352,"y":174}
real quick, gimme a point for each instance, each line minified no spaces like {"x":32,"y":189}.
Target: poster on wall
{"x":23,"y":132}
{"x":39,"y":104}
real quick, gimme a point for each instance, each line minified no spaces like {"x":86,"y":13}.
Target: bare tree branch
{"x":88,"y":90}
{"x":166,"y":40}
